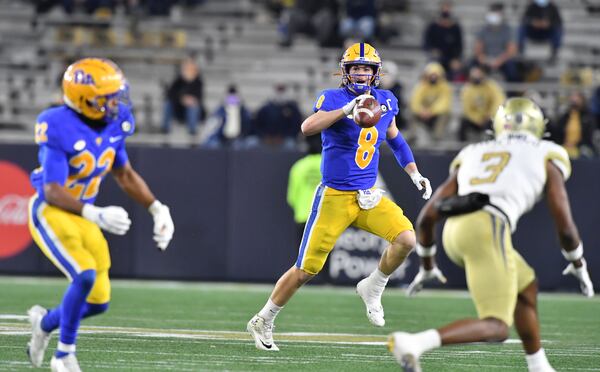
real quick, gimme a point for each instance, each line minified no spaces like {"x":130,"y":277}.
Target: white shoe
{"x":374,"y":308}
{"x":262,"y":333}
{"x":68,"y":363}
{"x":39,"y":339}
{"x":400,"y":344}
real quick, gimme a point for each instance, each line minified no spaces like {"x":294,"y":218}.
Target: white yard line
{"x":14,"y":328}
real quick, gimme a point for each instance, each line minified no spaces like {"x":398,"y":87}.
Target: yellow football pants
{"x":481,"y":243}
{"x":73,"y":244}
{"x":332,"y":212}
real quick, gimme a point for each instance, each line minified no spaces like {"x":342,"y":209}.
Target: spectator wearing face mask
{"x":443,"y":39}
{"x":480,"y":97}
{"x":574,"y":128}
{"x":231,"y":124}
{"x":494,"y":45}
{"x":430,"y":104}
{"x":541,"y":23}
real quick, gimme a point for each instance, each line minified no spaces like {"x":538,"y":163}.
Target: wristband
{"x":575,"y":254}
{"x":426,"y":251}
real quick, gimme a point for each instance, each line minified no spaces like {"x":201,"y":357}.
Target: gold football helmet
{"x":93,"y":87}
{"x":360,"y":54}
{"x":519,"y":115}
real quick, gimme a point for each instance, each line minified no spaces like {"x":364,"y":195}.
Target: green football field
{"x":169,"y":326}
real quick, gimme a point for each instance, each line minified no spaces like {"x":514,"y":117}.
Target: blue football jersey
{"x":351,"y":153}
{"x":76,"y":155}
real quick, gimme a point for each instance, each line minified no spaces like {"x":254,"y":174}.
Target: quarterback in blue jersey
{"x":79,"y":143}
{"x":346,"y":195}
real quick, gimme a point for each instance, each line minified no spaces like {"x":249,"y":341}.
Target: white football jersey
{"x":510,"y":169}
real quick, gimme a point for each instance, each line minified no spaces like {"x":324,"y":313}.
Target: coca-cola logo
{"x":13,"y":209}
{"x":15,"y":191}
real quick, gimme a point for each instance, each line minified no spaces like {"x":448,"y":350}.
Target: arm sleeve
{"x":401,"y":150}
{"x":55,"y":166}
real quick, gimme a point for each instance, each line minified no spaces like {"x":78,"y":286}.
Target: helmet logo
{"x":80,"y":77}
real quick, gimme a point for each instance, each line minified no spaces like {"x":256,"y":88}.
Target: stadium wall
{"x":233,"y":223}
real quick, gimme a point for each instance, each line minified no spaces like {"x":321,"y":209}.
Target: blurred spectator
{"x":430,"y":103}
{"x":480,"y":97}
{"x":316,"y":18}
{"x":305,"y":176}
{"x":389,"y":80}
{"x":595,"y":106}
{"x":360,"y":20}
{"x":443,"y":37}
{"x":184,"y":97}
{"x":541,"y":22}
{"x":574,"y":128}
{"x":457,"y":72}
{"x":231,"y":124}
{"x":277,"y":123}
{"x":494,"y":44}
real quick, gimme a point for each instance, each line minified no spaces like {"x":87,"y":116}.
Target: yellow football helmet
{"x":360,"y":54}
{"x":519,"y":115}
{"x":93,"y":87}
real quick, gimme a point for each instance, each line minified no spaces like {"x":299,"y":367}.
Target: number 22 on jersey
{"x":367,"y":139}
{"x":499,"y":160}
{"x":87,"y":164}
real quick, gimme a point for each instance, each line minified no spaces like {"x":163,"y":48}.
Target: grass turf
{"x":160,"y":326}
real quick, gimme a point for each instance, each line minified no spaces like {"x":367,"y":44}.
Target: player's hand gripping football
{"x":348,"y":107}
{"x":581,"y":273}
{"x":112,"y":219}
{"x":424,"y":276}
{"x":421,"y":183}
{"x":163,"y":224}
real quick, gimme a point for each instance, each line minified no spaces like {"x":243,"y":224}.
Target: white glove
{"x":581,"y":273}
{"x":163,"y":224}
{"x":348,"y":107}
{"x":421,"y":182}
{"x":112,"y":219}
{"x":422,"y":277}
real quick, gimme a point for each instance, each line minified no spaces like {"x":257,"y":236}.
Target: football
{"x":367,"y":113}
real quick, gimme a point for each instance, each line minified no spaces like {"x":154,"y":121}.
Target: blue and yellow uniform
{"x":77,"y":156}
{"x":350,"y":162}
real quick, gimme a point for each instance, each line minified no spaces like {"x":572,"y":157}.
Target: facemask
{"x":493,"y":18}
{"x":445,"y":14}
{"x":476,"y":81}
{"x":542,"y":3}
{"x":433,"y":80}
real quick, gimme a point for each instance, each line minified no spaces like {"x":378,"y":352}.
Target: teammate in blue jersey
{"x":79,"y":143}
{"x":346,"y":195}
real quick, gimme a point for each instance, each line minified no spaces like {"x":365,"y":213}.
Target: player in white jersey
{"x":491,"y":185}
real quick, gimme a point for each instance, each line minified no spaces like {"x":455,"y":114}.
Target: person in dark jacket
{"x":443,"y":40}
{"x":184,"y":97}
{"x":277,"y":123}
{"x":541,"y":22}
{"x":231,"y":123}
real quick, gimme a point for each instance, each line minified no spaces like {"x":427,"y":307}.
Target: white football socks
{"x":377,"y":283}
{"x":426,"y":340}
{"x":537,"y":362}
{"x":269,"y":311}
